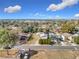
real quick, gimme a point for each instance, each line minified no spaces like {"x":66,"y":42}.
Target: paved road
{"x":48,"y":47}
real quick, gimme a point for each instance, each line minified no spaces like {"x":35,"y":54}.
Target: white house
{"x":42,"y":35}
{"x":51,"y":34}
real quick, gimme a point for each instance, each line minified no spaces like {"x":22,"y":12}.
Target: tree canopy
{"x":68,"y":27}
{"x":7,"y":38}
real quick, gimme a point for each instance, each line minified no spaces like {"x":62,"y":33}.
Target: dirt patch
{"x":40,"y":55}
{"x":8,"y":53}
{"x":55,"y":54}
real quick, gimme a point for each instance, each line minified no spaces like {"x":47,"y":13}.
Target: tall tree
{"x":68,"y":27}
{"x":7,"y":38}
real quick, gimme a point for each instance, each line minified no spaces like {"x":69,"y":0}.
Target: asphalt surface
{"x":48,"y":47}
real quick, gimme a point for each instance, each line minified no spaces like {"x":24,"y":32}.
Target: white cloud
{"x":38,"y":14}
{"x":62,"y":5}
{"x":76,"y":15}
{"x":12,"y":9}
{"x":58,"y":17}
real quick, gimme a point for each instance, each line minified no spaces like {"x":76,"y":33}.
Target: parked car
{"x":26,"y":56}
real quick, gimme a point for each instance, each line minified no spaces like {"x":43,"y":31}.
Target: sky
{"x":39,"y":9}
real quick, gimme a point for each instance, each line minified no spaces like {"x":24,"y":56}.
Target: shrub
{"x":45,"y":41}
{"x":76,"y":40}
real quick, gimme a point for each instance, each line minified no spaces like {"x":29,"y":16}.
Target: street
{"x":48,"y":47}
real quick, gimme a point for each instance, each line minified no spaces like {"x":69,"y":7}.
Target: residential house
{"x":42,"y":35}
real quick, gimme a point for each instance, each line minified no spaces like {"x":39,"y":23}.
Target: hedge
{"x":45,"y":41}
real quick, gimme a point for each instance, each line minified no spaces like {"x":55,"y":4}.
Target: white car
{"x":26,"y":56}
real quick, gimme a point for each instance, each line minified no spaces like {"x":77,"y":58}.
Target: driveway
{"x":34,"y":41}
